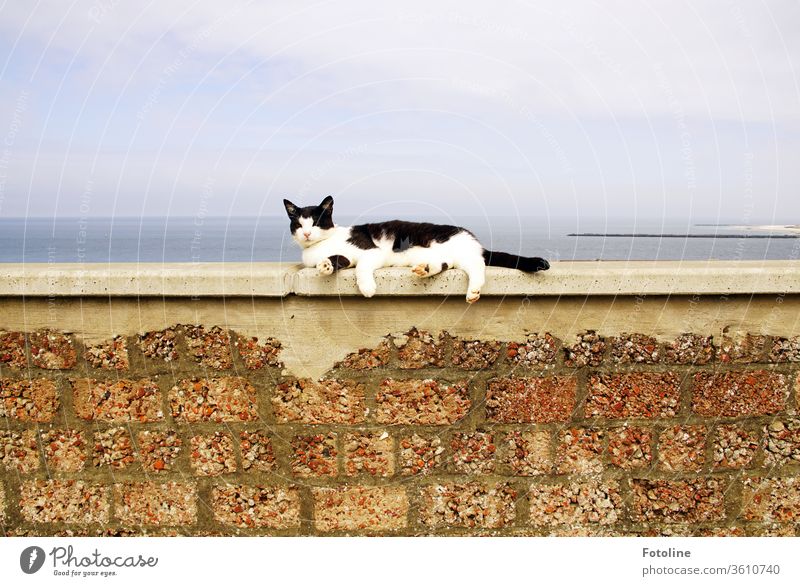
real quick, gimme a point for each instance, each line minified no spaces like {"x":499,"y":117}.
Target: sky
{"x":552,"y":108}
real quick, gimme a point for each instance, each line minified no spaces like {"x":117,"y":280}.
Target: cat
{"x":428,"y":248}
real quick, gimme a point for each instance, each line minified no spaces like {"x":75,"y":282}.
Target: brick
{"x":583,"y":531}
{"x":733,"y":394}
{"x":210,"y":347}
{"x":771,"y":500}
{"x":682,"y":448}
{"x":19,"y":451}
{"x":419,"y":349}
{"x":420,"y":455}
{"x":220,"y":400}
{"x":64,"y":450}
{"x":782,"y":442}
{"x":635,"y":349}
{"x":12,"y":349}
{"x":587,"y":351}
{"x":638,"y":394}
{"x":421,"y":402}
{"x":531,"y":400}
{"x":314,"y":455}
{"x":698,"y":500}
{"x":690,"y":349}
{"x":85,"y":531}
{"x":257,"y":451}
{"x":528,"y":453}
{"x":368,"y":509}
{"x":580,"y":451}
{"x":630,"y":448}
{"x":473,"y":453}
{"x":212,"y":455}
{"x":576,"y":503}
{"x":539,"y":350}
{"x":473,"y":504}
{"x":368,"y":453}
{"x":117,"y":401}
{"x":367,"y":358}
{"x":110,"y":355}
{"x":158,"y":450}
{"x":52,"y":350}
{"x":773,"y":530}
{"x":324,"y":401}
{"x":155,"y":503}
{"x":689,"y":531}
{"x":475,"y":354}
{"x":252,"y":507}
{"x":743,"y":348}
{"x":733,"y":447}
{"x":63,"y":501}
{"x":258,"y":353}
{"x":785,"y":350}
{"x":33,"y":400}
{"x":114,"y":448}
{"x":718,"y":532}
{"x":159,"y":345}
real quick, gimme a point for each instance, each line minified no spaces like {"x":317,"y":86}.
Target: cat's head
{"x":310,"y":224}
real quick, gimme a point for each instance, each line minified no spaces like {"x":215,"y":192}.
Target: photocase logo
{"x":31,"y":559}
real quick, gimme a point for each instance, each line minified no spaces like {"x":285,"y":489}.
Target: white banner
{"x":398,"y":560}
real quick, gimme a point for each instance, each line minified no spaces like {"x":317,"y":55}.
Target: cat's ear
{"x":291,"y":209}
{"x":327,"y":204}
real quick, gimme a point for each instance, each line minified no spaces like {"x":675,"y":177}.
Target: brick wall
{"x":201,"y":430}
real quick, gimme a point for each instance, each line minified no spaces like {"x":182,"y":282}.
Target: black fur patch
{"x":401,"y":244}
{"x":403,"y":234}
{"x":339,"y":262}
{"x":360,"y":237}
{"x":529,"y":264}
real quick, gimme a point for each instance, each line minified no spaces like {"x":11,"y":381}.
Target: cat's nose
{"x":307,"y":235}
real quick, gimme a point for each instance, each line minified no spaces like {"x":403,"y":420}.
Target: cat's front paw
{"x":325,"y":267}
{"x":368,"y":289}
{"x":473,"y":296}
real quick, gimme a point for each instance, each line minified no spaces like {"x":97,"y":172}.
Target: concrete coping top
{"x":282,"y":279}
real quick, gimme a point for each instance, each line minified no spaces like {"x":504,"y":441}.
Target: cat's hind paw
{"x":428,"y":270}
{"x":422,"y":270}
{"x":325,"y":267}
{"x":473,"y":296}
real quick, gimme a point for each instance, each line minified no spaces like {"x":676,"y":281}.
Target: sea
{"x":266,"y":238}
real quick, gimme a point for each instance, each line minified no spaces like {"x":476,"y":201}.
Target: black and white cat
{"x":428,"y":248}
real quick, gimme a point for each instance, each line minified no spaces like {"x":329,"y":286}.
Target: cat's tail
{"x":529,"y":264}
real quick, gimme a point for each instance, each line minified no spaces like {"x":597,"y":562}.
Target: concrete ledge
{"x":282,"y":279}
{"x":147,"y":279}
{"x":579,"y":278}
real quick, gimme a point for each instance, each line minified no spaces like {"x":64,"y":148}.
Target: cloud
{"x":607,"y":107}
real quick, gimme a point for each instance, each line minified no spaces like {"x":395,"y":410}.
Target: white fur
{"x":308,"y":234}
{"x":462,"y":251}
